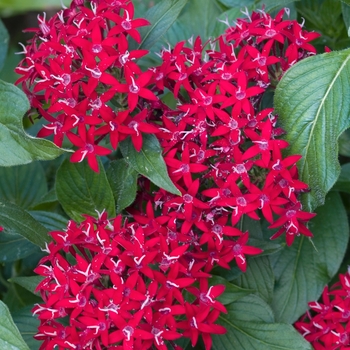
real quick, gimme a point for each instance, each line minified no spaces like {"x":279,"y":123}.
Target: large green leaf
{"x":328,"y":17}
{"x":123,"y":180}
{"x":312,"y":100}
{"x":343,"y":183}
{"x":250,"y":325}
{"x":303,"y":269}
{"x":161,"y":16}
{"x":323,"y":16}
{"x":27,"y":325}
{"x":4,"y":41}
{"x":17,"y":147}
{"x":8,"y":7}
{"x":17,"y":221}
{"x":256,"y":238}
{"x":23,"y":185}
{"x":52,"y":221}
{"x":149,"y":161}
{"x":237,"y":3}
{"x":17,"y":297}
{"x":83,"y":191}
{"x":345,"y":8}
{"x":198,"y":17}
{"x":29,"y":283}
{"x":271,"y":5}
{"x":10,"y":337}
{"x":259,"y":277}
{"x":344,"y":143}
{"x":14,"y":247}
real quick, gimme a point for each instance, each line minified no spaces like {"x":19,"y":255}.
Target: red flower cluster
{"x":327,"y":324}
{"x":76,"y":63}
{"x":221,"y":147}
{"x":122,"y":286}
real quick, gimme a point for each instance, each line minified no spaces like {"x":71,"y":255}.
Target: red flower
{"x":127,"y":24}
{"x":136,"y":125}
{"x":135,"y":87}
{"x":263,"y":144}
{"x":188,"y":201}
{"x":292,"y":219}
{"x":326,"y":325}
{"x":201,"y":322}
{"x":183,"y":168}
{"x":240,"y":95}
{"x":206,"y":295}
{"x":87,"y":148}
{"x":238,"y":249}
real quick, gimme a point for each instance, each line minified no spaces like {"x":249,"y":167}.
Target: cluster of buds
{"x":326,"y":325}
{"x":220,"y":144}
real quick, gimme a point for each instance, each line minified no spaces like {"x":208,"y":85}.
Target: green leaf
{"x":27,"y":325}
{"x":250,"y":325}
{"x":9,"y":7}
{"x":52,"y":221}
{"x":28,"y":283}
{"x":345,"y":8}
{"x":17,"y":297}
{"x":344,"y":143}
{"x":80,"y":190}
{"x":322,"y":15}
{"x":161,"y":16}
{"x":312,"y":103}
{"x":256,"y":238}
{"x":14,"y":247}
{"x":237,"y":3}
{"x":4,"y":41}
{"x":23,"y":185}
{"x":10,"y":337}
{"x":268,"y":247}
{"x":343,"y":183}
{"x":238,"y":6}
{"x":228,"y":274}
{"x":303,"y":269}
{"x":271,"y":5}
{"x":17,"y":147}
{"x":232,"y":292}
{"x":251,"y":308}
{"x":325,"y":17}
{"x":149,"y":161}
{"x":198,"y":17}
{"x":17,"y":221}
{"x":258,"y":277}
{"x":123,"y":181}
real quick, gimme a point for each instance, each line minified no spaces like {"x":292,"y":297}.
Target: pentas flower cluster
{"x":122,"y":286}
{"x":76,"y":63}
{"x":221,"y":148}
{"x":144,"y":282}
{"x":326,"y":325}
